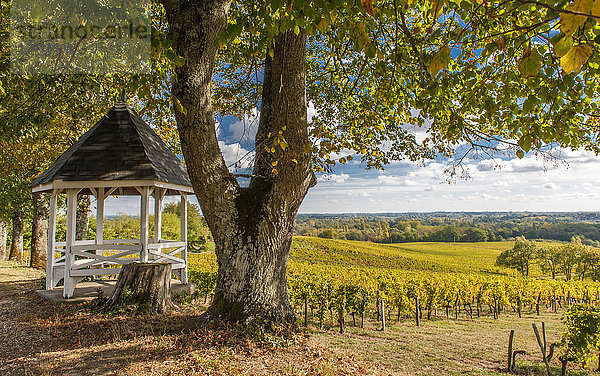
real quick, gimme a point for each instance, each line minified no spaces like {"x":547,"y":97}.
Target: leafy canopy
{"x":511,"y":76}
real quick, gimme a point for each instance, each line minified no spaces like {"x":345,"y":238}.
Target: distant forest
{"x":452,"y":227}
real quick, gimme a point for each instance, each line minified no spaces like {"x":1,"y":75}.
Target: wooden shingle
{"x":121,"y":146}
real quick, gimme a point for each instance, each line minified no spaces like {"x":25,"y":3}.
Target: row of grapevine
{"x":338,"y":291}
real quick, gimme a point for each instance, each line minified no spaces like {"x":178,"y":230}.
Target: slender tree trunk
{"x":16,"y":246}
{"x":252,"y":226}
{"x":39,"y":236}
{"x":82,"y":217}
{"x":3,"y":238}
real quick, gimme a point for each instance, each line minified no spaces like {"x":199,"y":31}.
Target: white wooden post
{"x":50,"y":278}
{"x":184,"y":272}
{"x":100,"y":197}
{"x":159,"y":194}
{"x":144,"y":218}
{"x":69,"y":282}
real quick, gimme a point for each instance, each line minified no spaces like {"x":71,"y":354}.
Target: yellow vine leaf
{"x":573,"y":60}
{"x":569,"y":23}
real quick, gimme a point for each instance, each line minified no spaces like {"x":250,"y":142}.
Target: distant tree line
{"x":479,"y":229}
{"x":573,"y":260}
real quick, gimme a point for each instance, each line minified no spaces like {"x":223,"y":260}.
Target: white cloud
{"x":335,"y":178}
{"x":245,"y":128}
{"x":395,"y":180}
{"x":551,"y":186}
{"x":236,"y":156}
{"x":311,"y":112}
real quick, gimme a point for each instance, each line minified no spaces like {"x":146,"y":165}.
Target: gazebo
{"x":121,"y":156}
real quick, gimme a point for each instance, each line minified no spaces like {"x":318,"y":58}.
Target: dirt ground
{"x":38,"y":338}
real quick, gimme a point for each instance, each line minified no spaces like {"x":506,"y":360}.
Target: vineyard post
{"x":306,"y":310}
{"x":417,"y":311}
{"x":341,"y":317}
{"x":382,"y":315}
{"x":362,"y":314}
{"x":456,"y":308}
{"x":510,"y":349}
{"x":537,"y":305}
{"x":519,"y":306}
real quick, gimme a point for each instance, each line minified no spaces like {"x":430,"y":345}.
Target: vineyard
{"x":333,"y":281}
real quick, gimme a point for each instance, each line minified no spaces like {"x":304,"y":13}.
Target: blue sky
{"x":506,"y":184}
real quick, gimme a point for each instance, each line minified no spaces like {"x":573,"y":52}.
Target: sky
{"x":504,"y":184}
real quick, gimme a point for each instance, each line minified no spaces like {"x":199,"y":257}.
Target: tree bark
{"x":82,"y":217}
{"x":252,"y":226}
{"x":16,"y":246}
{"x":3,"y":238}
{"x":146,"y":286}
{"x":39,"y":235}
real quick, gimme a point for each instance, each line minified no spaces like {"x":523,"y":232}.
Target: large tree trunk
{"x":252,"y":227}
{"x":3,"y":238}
{"x":39,"y":235}
{"x":82,"y":217}
{"x":16,"y":246}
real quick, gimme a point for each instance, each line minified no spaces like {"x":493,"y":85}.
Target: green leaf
{"x":520,"y":154}
{"x":574,"y":59}
{"x":531,"y":65}
{"x":525,"y":142}
{"x":563,"y":45}
{"x":296,"y":29}
{"x":440,"y":61}
{"x":569,"y":23}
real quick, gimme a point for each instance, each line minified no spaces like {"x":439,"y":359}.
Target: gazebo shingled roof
{"x":121,"y":146}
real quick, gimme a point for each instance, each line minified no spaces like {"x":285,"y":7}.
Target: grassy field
{"x":452,"y":257}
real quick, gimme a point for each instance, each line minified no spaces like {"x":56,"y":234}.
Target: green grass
{"x":450,"y":257}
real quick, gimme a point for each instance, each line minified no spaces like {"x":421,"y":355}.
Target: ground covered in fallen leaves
{"x":38,"y":338}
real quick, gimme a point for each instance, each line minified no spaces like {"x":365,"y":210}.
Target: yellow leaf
{"x":274,"y":163}
{"x":596,"y":9}
{"x":440,"y":61}
{"x":271,"y":53}
{"x":569,"y":23}
{"x":575,"y":58}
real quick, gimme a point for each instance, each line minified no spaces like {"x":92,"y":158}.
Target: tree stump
{"x":144,"y":285}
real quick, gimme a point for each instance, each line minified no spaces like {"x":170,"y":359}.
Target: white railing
{"x":107,"y":258}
